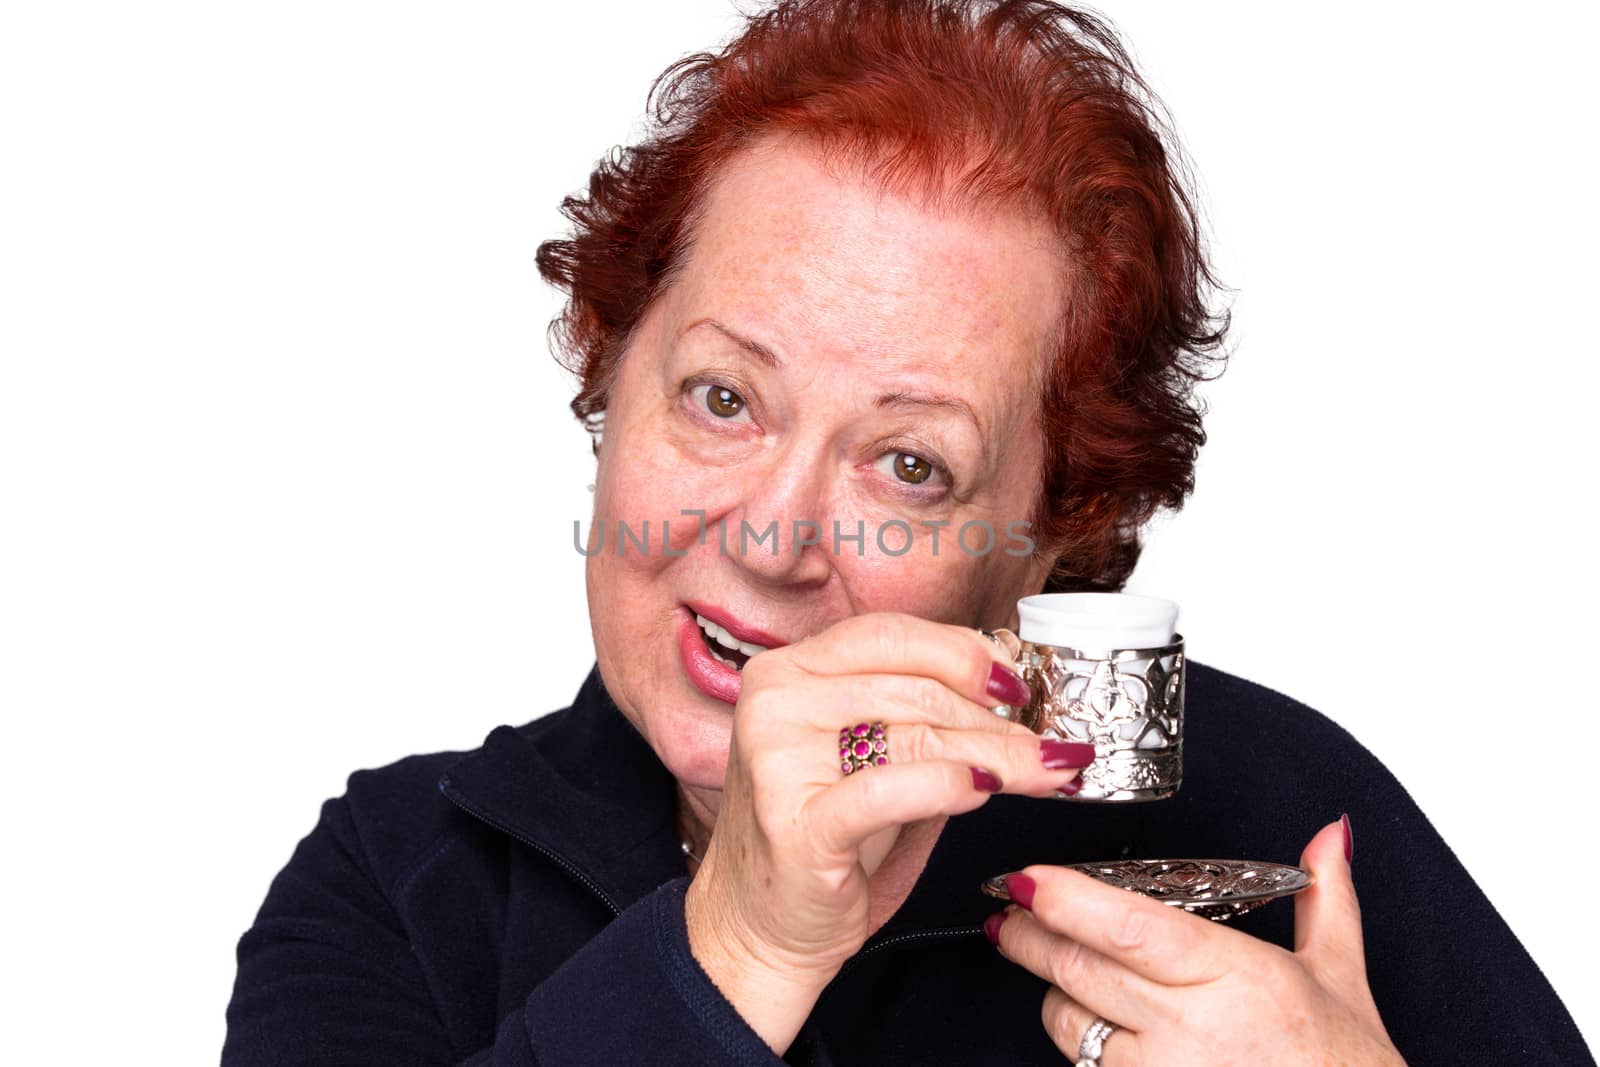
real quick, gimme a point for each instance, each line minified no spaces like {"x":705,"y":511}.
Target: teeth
{"x":725,"y":639}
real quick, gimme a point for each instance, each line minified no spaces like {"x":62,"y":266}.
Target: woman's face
{"x":829,"y":354}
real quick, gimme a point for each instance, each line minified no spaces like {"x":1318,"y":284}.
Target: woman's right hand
{"x":781,"y":898}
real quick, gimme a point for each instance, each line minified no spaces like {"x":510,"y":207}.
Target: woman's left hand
{"x":1183,"y":989}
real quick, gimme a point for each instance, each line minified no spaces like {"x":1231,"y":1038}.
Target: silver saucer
{"x":1215,"y":889}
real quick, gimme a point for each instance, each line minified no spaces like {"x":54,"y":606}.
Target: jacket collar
{"x":583,"y":787}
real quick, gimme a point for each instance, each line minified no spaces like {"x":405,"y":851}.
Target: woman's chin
{"x":695,"y":745}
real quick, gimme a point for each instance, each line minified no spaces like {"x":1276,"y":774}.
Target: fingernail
{"x":1020,"y":888}
{"x":1007,"y":688}
{"x":991,"y":927}
{"x":1059,"y":755}
{"x":985,"y":780}
{"x":1349,"y":839}
{"x":1070,"y":789}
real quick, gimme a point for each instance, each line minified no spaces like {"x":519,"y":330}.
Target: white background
{"x":289,"y":476}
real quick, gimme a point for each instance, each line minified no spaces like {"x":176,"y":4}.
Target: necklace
{"x":688,"y":852}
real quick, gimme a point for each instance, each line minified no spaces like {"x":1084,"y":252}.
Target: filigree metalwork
{"x":1128,"y":703}
{"x":1134,"y":775}
{"x":1214,"y":889}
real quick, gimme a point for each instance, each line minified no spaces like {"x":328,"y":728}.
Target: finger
{"x":1025,"y":763}
{"x":1065,"y":1021}
{"x":895,"y":643}
{"x":1327,"y":917}
{"x":842,"y":816}
{"x":1092,"y":979}
{"x":1160,"y":942}
{"x":839,"y":700}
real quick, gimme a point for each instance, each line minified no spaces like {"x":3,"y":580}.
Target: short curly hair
{"x":1022,"y":103}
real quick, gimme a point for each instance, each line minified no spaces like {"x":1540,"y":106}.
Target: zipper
{"x":554,"y":857}
{"x":908,"y":938}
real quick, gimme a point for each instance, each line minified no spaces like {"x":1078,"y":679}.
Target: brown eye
{"x":723,"y":403}
{"x":913,"y":469}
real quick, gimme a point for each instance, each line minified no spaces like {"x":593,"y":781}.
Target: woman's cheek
{"x":653,"y":483}
{"x":941,"y":587}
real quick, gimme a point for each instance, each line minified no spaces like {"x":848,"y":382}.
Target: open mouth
{"x":724,"y":647}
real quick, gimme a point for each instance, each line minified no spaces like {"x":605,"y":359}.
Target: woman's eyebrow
{"x":895,"y":399}
{"x":755,"y":348}
{"x":938,"y":400}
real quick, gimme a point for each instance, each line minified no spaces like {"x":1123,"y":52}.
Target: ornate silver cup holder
{"x":1126,"y":702}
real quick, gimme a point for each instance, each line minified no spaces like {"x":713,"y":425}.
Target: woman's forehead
{"x":824,"y":260}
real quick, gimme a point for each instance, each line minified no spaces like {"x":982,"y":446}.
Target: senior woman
{"x":885,"y":271}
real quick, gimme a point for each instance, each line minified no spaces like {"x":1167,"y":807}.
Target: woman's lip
{"x":711,"y":677}
{"x":739,"y":631}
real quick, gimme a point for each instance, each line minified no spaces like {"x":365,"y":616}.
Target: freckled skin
{"x":863,"y":294}
{"x":860,"y":293}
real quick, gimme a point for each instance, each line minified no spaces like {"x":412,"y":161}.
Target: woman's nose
{"x":781,"y":528}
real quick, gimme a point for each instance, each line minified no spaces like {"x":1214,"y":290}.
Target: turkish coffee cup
{"x":1104,"y":669}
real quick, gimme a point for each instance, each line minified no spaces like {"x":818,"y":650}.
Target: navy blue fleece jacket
{"x":523,"y":904}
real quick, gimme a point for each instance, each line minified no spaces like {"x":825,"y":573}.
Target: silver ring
{"x":1008,"y":642}
{"x":1094,"y":1043}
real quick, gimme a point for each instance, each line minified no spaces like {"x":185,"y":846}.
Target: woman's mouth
{"x":724,"y":647}
{"x":714,"y":658}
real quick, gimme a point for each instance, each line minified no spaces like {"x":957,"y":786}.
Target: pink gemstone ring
{"x":863,"y":745}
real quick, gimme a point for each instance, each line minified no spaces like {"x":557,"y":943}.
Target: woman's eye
{"x":720,"y":401}
{"x":909,"y":467}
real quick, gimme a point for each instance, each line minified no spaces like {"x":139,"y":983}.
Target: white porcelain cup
{"x":1097,"y":622}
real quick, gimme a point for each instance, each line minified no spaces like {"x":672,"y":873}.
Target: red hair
{"x":1017,"y":103}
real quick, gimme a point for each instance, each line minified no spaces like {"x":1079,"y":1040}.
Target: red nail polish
{"x":1007,"y":688}
{"x":1059,"y":755}
{"x":1349,"y":839}
{"x":1070,"y":789}
{"x":991,"y":927}
{"x":1020,"y":888}
{"x":985,"y":780}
